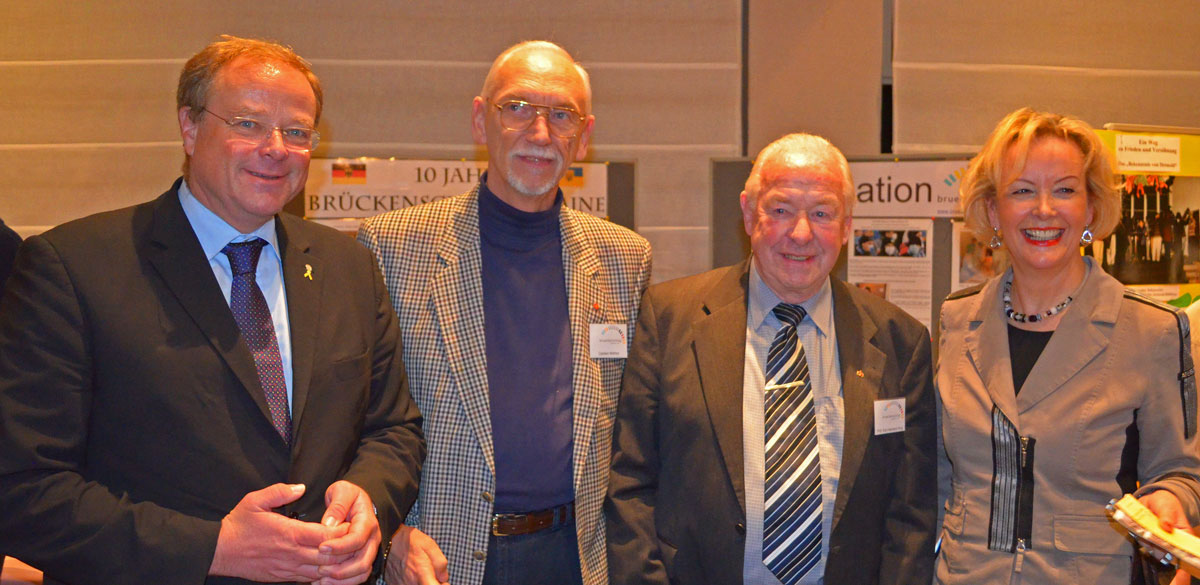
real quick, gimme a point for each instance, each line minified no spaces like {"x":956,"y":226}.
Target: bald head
{"x":541,"y":59}
{"x":796,"y":151}
{"x":529,"y":154}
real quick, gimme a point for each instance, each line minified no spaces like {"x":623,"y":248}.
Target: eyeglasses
{"x":300,"y":138}
{"x":517,"y":115}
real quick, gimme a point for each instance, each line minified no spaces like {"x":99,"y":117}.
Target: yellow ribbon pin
{"x":308,"y":271}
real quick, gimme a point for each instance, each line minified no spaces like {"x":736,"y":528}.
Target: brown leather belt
{"x":516,"y":524}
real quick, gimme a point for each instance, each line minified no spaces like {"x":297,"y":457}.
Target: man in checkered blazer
{"x":500,"y":292}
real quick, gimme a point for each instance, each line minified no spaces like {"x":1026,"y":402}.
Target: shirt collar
{"x":762,"y":300}
{"x":214,"y":232}
{"x":515,"y":224}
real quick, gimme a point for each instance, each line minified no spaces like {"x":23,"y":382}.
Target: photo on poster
{"x":909,"y":243}
{"x":973,"y":261}
{"x":1156,"y":240}
{"x":878,"y":289}
{"x":891,"y":258}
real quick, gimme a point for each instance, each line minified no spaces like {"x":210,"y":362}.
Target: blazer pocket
{"x":1089,"y":535}
{"x":350,"y":368}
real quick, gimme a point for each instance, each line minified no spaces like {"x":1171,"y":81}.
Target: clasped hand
{"x":259,"y":544}
{"x":1171,"y":517}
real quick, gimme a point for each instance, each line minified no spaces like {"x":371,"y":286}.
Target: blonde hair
{"x":1015,"y":133}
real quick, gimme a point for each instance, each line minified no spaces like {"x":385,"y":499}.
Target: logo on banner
{"x":574,"y":177}
{"x":349,"y":173}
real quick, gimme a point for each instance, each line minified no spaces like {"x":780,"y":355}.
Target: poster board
{"x":341,"y":192}
{"x":1158,"y":238}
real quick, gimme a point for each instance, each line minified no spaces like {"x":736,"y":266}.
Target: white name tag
{"x":889,"y":416}
{"x":608,"y":340}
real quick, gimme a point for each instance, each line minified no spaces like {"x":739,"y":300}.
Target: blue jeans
{"x":546,"y":557}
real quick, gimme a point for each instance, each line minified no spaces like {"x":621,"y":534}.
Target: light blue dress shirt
{"x":214,"y":233}
{"x":816,"y":333}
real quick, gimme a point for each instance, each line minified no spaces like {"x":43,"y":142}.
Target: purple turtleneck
{"x":528,"y":338}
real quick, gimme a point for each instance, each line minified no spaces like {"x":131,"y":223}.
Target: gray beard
{"x":534,"y":190}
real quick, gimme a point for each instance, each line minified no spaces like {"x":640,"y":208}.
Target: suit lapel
{"x":458,"y":303}
{"x":586,"y":304}
{"x":1065,"y":355}
{"x":861,"y":366}
{"x":987,"y":346}
{"x":720,"y":346}
{"x":176,"y":254}
{"x":304,"y":286}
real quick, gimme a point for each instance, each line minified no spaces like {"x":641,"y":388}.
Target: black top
{"x":1024,"y":348}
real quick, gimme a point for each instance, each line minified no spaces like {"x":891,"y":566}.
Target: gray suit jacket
{"x":676,"y":506}
{"x":1110,"y":403}
{"x":431,"y":262}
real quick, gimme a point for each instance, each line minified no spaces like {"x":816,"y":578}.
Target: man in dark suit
{"x":776,"y":425}
{"x":198,"y":388}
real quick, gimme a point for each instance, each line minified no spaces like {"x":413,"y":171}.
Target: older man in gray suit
{"x":775,"y":424}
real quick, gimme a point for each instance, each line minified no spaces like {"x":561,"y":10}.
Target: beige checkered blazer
{"x":430,"y":259}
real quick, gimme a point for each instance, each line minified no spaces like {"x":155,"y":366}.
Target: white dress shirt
{"x":214,"y":233}
{"x":816,"y":333}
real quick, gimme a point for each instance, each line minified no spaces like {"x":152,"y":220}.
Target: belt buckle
{"x":496,"y":518}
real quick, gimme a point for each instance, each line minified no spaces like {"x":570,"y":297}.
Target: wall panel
{"x":816,"y":66}
{"x":87,"y":91}
{"x":959,"y":67}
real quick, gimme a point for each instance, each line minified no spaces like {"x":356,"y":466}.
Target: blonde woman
{"x":1060,"y":389}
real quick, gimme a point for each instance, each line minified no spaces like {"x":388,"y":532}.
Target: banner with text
{"x":1154,"y":153}
{"x":362,"y":187}
{"x":907,"y":188}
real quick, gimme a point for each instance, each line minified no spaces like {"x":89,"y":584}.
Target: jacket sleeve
{"x":634,"y":555}
{"x":909,"y":526}
{"x":392,"y":447}
{"x":1167,"y":458}
{"x":55,"y":517}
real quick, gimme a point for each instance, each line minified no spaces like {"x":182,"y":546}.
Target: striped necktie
{"x":253,"y":317}
{"x":792,"y":489}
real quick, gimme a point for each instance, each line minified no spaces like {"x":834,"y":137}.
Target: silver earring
{"x":996,"y":241}
{"x":1086,"y":237}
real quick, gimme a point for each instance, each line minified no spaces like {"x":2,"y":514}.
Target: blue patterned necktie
{"x":792,"y":489}
{"x":254,"y":319}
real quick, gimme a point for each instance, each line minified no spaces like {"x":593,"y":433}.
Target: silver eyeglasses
{"x":517,"y":115}
{"x":300,"y":138}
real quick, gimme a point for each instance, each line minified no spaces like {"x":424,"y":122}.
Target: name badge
{"x":889,"y":416}
{"x":608,"y":340}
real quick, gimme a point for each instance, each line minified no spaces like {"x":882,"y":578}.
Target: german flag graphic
{"x":574,"y":177}
{"x":349,"y":173}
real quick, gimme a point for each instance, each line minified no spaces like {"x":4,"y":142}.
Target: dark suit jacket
{"x":131,"y":417}
{"x":10,"y":241}
{"x":676,"y":504}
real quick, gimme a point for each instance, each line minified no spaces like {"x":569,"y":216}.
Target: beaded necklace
{"x":1022,"y":317}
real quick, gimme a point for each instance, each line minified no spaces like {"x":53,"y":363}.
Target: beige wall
{"x":86,"y":88}
{"x":87,"y":93}
{"x":961,"y":66}
{"x":815,"y":66}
